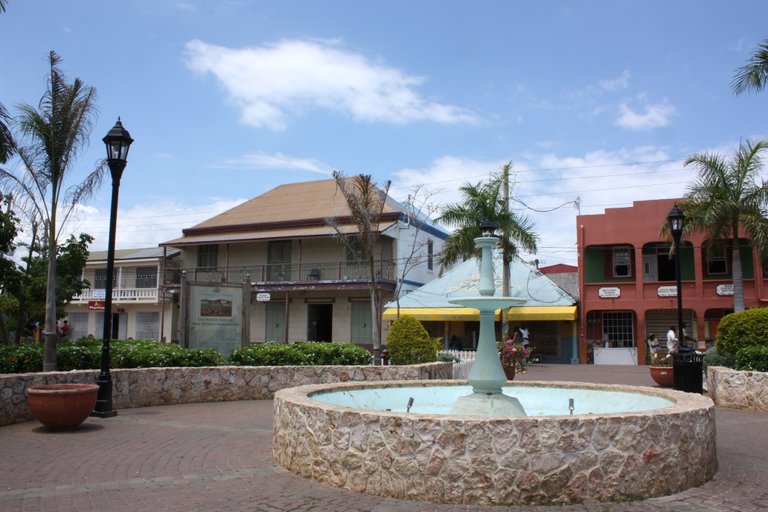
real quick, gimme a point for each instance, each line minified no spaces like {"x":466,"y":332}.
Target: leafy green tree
{"x":8,"y":269}
{"x":728,"y":195}
{"x":53,"y":134}
{"x":754,"y":75}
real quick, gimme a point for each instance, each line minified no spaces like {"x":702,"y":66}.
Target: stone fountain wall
{"x":468,"y":460}
{"x":143,"y":387}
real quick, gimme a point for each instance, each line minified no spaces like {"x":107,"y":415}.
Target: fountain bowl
{"x":446,"y":458}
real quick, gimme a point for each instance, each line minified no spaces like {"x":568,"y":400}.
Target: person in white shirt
{"x":672,"y":341}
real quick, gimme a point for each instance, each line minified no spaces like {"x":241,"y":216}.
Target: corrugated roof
{"x":271,"y":234}
{"x":293,"y":210}
{"x":132,"y":254}
{"x":286,"y":203}
{"x":462,"y":281}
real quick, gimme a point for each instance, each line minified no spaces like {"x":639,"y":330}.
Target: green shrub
{"x":744,"y":329}
{"x":83,"y":354}
{"x":713,"y":358}
{"x":410,"y":343}
{"x":147,"y":354}
{"x":754,"y":358}
{"x":22,"y":358}
{"x":301,"y":354}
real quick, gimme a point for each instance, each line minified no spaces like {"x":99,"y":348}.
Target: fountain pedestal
{"x":487,"y":375}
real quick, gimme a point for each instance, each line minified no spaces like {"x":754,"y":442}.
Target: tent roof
{"x":544,"y":300}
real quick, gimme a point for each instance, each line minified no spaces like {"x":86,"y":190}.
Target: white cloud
{"x":620,"y":82}
{"x":547,"y":181}
{"x":145,"y":225}
{"x":655,"y":116}
{"x":273,"y":83}
{"x":262,"y":160}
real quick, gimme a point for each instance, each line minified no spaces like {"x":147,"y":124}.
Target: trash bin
{"x":688,"y":372}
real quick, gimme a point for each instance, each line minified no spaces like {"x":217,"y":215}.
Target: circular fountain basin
{"x":621,"y":443}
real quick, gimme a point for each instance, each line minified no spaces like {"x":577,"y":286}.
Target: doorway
{"x":319,"y":322}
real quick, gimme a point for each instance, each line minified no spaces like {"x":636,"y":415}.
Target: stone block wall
{"x":738,"y":389}
{"x":143,"y":387}
{"x":471,"y":460}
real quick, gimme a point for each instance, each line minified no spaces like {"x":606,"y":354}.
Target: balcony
{"x":283,"y":273}
{"x":119,"y":295}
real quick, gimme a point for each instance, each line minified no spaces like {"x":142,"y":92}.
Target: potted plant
{"x":61,"y":406}
{"x":514,"y":357}
{"x":661,"y":369}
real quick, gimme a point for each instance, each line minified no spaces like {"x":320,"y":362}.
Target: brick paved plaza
{"x":217,"y":457}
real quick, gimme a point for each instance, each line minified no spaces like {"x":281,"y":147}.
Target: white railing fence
{"x":466,"y":359}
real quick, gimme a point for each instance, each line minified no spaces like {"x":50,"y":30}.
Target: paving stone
{"x":217,"y":457}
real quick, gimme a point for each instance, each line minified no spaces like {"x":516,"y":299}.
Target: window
{"x":618,"y":329}
{"x":147,"y":325}
{"x":146,"y":277}
{"x":430,"y":255}
{"x":621,"y":262}
{"x":208,"y":256}
{"x":716,"y":260}
{"x":100,"y":279}
{"x":279,"y":261}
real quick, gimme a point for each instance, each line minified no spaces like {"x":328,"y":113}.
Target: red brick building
{"x":627,"y":282}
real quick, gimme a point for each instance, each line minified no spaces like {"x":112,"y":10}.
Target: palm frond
{"x":754,"y":75}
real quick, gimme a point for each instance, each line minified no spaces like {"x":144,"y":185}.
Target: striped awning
{"x":523,"y":313}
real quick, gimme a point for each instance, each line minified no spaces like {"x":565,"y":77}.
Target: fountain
{"x":487,"y":376}
{"x":489,"y":443}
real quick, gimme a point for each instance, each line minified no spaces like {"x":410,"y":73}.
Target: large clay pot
{"x":509,"y":371}
{"x":663,"y":375}
{"x":61,"y":406}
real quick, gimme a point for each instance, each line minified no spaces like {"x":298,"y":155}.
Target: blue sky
{"x":595,"y":103}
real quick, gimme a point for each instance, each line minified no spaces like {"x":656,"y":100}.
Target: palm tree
{"x":6,"y":139}
{"x":53,"y":134}
{"x":366,"y":204}
{"x":729,"y":195}
{"x":754,"y":75}
{"x":484,"y":201}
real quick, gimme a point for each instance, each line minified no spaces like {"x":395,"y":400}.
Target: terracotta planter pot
{"x":61,"y":406}
{"x":663,"y":375}
{"x":509,"y":371}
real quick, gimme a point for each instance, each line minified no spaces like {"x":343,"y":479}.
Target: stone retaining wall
{"x":495,"y":460}
{"x":144,"y":387}
{"x":738,"y":389}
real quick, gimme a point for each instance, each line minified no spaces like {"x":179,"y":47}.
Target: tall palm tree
{"x":729,"y":195}
{"x":753,"y":76}
{"x":6,"y":138}
{"x":366,"y":204}
{"x":53,"y":134}
{"x":484,"y":200}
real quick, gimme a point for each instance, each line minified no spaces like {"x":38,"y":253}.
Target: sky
{"x":596,"y":103}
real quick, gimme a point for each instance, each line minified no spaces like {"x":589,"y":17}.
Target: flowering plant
{"x":514,"y":354}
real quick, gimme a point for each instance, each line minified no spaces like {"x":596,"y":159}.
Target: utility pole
{"x":505,"y":259}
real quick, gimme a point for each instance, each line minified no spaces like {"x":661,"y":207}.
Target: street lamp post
{"x":118,"y":141}
{"x":675,"y":220}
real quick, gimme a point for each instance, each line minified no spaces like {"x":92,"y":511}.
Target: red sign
{"x":95,"y":305}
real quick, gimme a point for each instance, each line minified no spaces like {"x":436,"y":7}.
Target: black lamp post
{"x":675,"y":220}
{"x":118,"y":141}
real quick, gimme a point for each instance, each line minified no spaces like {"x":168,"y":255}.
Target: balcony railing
{"x":119,"y":295}
{"x":286,"y":273}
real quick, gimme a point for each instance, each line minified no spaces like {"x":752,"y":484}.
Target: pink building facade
{"x":627,"y":282}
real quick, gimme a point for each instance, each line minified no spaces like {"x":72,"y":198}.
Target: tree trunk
{"x":375,"y":316}
{"x":738,"y":277}
{"x":506,"y":260}
{"x":49,"y":357}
